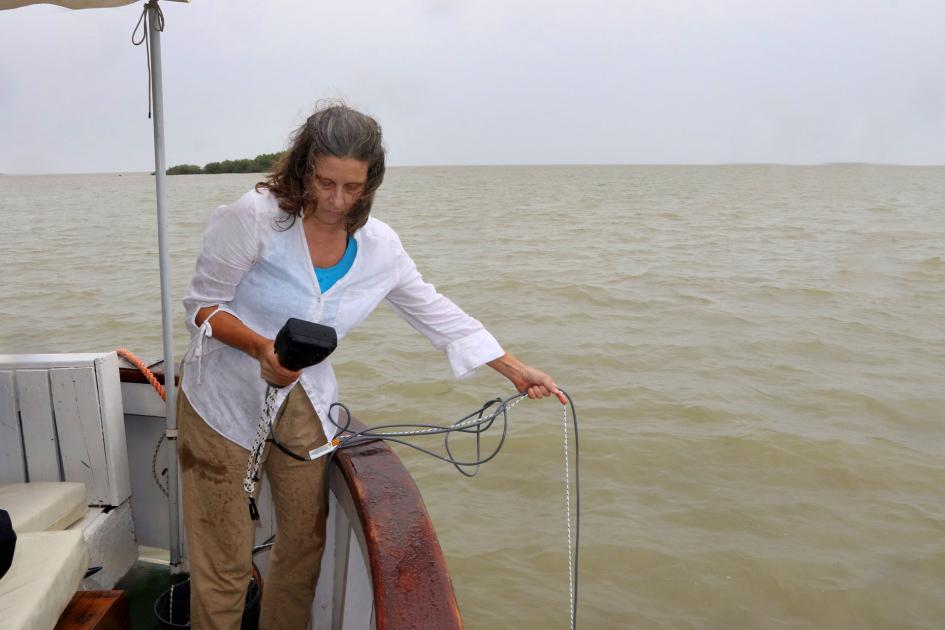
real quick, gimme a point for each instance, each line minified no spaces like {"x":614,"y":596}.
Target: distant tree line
{"x":260,"y":164}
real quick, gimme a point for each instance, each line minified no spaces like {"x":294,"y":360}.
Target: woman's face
{"x":337,"y":184}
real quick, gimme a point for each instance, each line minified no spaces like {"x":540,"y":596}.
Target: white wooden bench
{"x":61,"y":419}
{"x":62,"y":424}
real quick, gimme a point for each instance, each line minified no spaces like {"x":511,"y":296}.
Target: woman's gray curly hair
{"x":334,"y":129}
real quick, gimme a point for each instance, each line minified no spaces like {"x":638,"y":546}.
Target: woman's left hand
{"x":538,"y":384}
{"x":527,"y":380}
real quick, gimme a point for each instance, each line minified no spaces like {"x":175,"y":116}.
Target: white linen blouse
{"x":260,"y":272}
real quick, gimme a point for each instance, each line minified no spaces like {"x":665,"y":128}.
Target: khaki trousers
{"x":219,"y":529}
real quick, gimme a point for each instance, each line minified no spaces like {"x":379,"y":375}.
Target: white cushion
{"x":46,"y":571}
{"x":43,"y":505}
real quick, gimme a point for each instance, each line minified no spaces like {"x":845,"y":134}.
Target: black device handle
{"x":301,"y":344}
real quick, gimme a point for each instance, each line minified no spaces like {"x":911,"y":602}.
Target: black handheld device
{"x":300,"y":343}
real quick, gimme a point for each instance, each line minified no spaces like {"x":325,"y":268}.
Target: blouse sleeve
{"x":466,"y":342}
{"x":229,"y":250}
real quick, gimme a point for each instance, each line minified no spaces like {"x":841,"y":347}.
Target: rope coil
{"x":158,"y":26}
{"x":132,"y":358}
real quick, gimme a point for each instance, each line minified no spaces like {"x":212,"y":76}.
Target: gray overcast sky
{"x":485,"y":81}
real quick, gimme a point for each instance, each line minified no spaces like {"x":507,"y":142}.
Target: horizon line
{"x":528,"y":165}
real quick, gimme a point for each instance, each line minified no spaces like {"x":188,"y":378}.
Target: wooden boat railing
{"x":380,"y":504}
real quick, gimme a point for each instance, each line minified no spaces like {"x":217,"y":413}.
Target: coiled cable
{"x":476,"y":423}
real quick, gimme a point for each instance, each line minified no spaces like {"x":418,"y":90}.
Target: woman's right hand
{"x":233,"y":332}
{"x":270,"y":369}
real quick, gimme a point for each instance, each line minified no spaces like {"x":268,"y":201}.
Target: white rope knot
{"x":196,"y":350}
{"x":266,"y":419}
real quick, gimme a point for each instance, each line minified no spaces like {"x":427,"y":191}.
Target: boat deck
{"x":143,"y":584}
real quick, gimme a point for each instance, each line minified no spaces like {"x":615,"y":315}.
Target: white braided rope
{"x":262,"y":432}
{"x":567,"y":508}
{"x":567,"y":485}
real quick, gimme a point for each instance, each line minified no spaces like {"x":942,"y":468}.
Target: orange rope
{"x":148,"y":374}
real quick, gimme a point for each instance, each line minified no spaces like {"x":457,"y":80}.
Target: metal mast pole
{"x":165,"y":263}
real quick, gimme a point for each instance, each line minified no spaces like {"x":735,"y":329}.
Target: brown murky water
{"x":756,"y":353}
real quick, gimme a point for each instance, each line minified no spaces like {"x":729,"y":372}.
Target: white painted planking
{"x":37,"y":426}
{"x":36,"y":420}
{"x":340,"y":577}
{"x":140,"y":399}
{"x":321,"y":617}
{"x":12,"y":463}
{"x":79,"y":425}
{"x":344,"y":596}
{"x":113,"y":427}
{"x":37,"y":361}
{"x":359,"y":594}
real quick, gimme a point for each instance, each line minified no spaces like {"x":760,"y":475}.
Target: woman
{"x":301,"y":245}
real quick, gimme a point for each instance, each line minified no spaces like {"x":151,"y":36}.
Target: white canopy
{"x":71,"y":4}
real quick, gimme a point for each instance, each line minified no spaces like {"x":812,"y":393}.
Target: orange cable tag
{"x":324,"y":449}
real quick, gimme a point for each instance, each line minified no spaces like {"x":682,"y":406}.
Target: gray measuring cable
{"x":477,"y":423}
